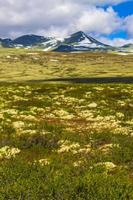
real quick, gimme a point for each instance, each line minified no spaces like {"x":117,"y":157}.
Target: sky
{"x":110,"y":21}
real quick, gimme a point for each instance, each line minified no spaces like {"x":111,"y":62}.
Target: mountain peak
{"x":75,"y":37}
{"x":79,"y":33}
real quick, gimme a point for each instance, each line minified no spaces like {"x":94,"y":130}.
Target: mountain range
{"x":78,"y":41}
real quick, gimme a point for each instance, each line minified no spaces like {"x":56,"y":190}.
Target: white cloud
{"x":59,"y":17}
{"x":99,"y":21}
{"x":46,"y":16}
{"x":116,"y":41}
{"x":129,"y":25}
{"x":97,"y":2}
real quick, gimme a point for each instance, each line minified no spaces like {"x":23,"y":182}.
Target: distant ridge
{"x":78,"y":41}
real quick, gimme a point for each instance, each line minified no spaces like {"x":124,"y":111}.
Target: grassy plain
{"x":20,"y":65}
{"x":65,"y":141}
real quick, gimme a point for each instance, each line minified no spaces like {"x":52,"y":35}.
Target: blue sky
{"x":124,"y":9}
{"x":110,"y":21}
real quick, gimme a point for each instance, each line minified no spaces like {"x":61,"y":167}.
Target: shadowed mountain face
{"x":76,"y":37}
{"x":30,"y":40}
{"x":6,"y":42}
{"x":78,"y":41}
{"x":64,"y":48}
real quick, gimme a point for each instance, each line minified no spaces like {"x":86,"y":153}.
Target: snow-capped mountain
{"x":31,"y":41}
{"x":81,"y":39}
{"x":78,"y":41}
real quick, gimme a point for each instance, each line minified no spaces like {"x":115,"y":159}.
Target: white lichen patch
{"x":129,"y":122}
{"x":10,"y":111}
{"x":85,"y":150}
{"x":29,"y":132}
{"x":99,"y":88}
{"x":78,"y":163}
{"x":107,"y":147}
{"x":108,"y":165}
{"x":87,"y":114}
{"x":28,"y":117}
{"x":42,"y":162}
{"x":67,"y":146}
{"x":53,"y":60}
{"x":92,"y":105}
{"x":123,"y":130}
{"x":70,"y":100}
{"x":99,"y":123}
{"x":7,"y":152}
{"x":121,"y":103}
{"x":63,"y":114}
{"x":120,"y":115}
{"x":18,"y":124}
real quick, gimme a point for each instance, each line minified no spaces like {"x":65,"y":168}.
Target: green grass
{"x":66,"y":141}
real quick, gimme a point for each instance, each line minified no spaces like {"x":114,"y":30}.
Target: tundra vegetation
{"x":23,"y":65}
{"x":63,"y":141}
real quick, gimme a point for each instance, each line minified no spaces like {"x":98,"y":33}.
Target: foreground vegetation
{"x":21,"y":65}
{"x":66,"y":141}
